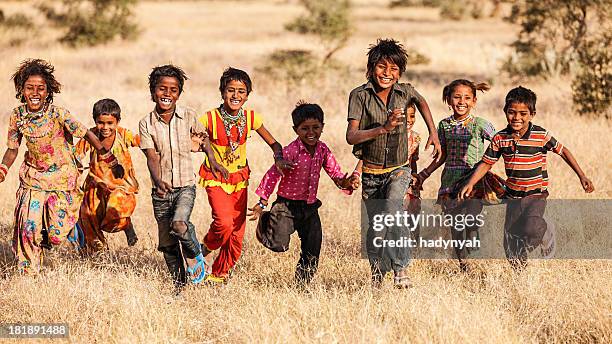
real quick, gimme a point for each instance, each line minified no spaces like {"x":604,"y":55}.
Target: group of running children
{"x":52,"y":206}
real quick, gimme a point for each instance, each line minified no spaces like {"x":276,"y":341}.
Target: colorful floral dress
{"x":108,"y":202}
{"x":48,"y":198}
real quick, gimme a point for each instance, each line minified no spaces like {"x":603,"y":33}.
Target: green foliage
{"x":297,"y":67}
{"x":15,"y":20}
{"x":457,"y":10}
{"x":567,"y":37}
{"x":93,"y":22}
{"x":592,"y":84}
{"x":327,"y":19}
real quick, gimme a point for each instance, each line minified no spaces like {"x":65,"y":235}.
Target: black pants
{"x":285,"y":217}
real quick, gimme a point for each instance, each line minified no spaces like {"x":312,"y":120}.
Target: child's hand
{"x":434,"y":141}
{"x":215,"y":168}
{"x":355,"y":181}
{"x":394,"y":119}
{"x":417,"y":182}
{"x":2,"y":176}
{"x":197,"y":140}
{"x":587,"y":185}
{"x":161,"y":188}
{"x":256,"y":210}
{"x":283,"y":165}
{"x":465,"y":192}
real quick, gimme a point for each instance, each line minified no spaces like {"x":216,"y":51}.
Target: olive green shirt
{"x":365,"y":106}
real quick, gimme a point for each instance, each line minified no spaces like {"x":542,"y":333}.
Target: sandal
{"x":192,"y":270}
{"x":548,"y":248}
{"x":401,"y":280}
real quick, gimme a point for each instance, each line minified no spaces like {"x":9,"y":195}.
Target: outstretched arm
{"x":480,"y":172}
{"x":354,"y":135}
{"x":586,"y":183}
{"x":423,"y":107}
{"x":282,"y":164}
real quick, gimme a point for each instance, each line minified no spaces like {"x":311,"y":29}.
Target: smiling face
{"x":35,"y":92}
{"x":234,"y":96}
{"x":462,"y":100}
{"x":106,"y":124}
{"x":519,"y":116}
{"x":410,"y":116}
{"x":309,"y":131}
{"x":385,"y":73}
{"x":167,"y":92}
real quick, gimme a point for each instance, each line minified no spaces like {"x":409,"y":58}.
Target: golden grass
{"x":124,"y":296}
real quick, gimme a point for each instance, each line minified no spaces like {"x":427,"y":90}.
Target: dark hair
{"x":31,"y":67}
{"x":169,"y":71}
{"x":108,"y":107}
{"x":234,"y":74}
{"x":448,"y":90}
{"x":304,"y":111}
{"x":386,"y":49}
{"x":521,"y":95}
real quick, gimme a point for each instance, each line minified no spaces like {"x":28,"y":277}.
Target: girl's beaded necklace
{"x":229,"y":120}
{"x":463,"y":122}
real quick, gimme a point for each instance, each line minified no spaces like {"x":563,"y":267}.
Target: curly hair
{"x":32,"y":67}
{"x":448,"y":90}
{"x":169,"y":71}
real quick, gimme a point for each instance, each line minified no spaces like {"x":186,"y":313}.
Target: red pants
{"x":227,"y":229}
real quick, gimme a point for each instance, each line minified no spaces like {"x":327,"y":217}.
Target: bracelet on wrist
{"x":261,"y":205}
{"x":3,"y":169}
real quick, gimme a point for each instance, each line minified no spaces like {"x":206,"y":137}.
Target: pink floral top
{"x":50,"y":163}
{"x":302,"y":182}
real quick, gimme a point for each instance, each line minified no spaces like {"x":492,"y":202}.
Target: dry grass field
{"x":124,"y":295}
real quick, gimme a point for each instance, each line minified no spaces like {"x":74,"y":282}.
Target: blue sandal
{"x":199,"y":264}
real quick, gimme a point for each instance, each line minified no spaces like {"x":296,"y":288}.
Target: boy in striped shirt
{"x":523,"y":146}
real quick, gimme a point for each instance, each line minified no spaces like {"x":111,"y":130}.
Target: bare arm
{"x":355,"y":136}
{"x":95,"y":142}
{"x":282,"y":164}
{"x":480,"y":172}
{"x":7,"y":160}
{"x":9,"y":157}
{"x":153,"y":165}
{"x":585,"y":182}
{"x":423,"y":107}
{"x":433,"y":166}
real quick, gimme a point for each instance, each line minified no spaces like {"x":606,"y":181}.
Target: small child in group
{"x":296,"y":206}
{"x":378,"y":130}
{"x":523,"y":146}
{"x":48,"y":197}
{"x":412,"y":198}
{"x":108,"y":202}
{"x":462,"y":136}
{"x":229,"y":127}
{"x":166,"y":136}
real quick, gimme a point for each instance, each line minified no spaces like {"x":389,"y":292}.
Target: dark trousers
{"x":285,"y":217}
{"x":176,"y":206}
{"x":524,"y":226}
{"x":461,"y":232}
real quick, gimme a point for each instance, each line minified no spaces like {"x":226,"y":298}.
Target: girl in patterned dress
{"x":462,"y":136}
{"x":48,"y":197}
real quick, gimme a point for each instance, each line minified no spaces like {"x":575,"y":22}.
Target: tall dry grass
{"x":124,"y":295}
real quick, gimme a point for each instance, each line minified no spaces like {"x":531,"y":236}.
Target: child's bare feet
{"x":208,"y":259}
